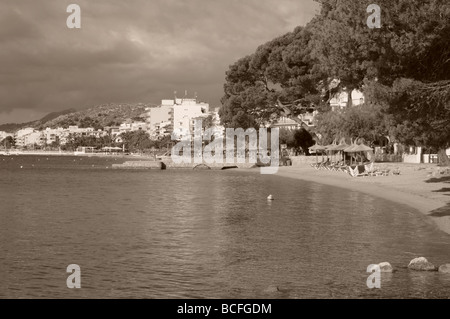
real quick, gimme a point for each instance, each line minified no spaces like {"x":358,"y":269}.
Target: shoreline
{"x":409,"y":188}
{"x":62,"y":154}
{"x":419,"y":186}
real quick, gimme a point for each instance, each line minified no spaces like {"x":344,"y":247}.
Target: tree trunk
{"x":349,"y":97}
{"x":443,"y":158}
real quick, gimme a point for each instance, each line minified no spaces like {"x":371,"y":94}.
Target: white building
{"x":138,"y":126}
{"x":285,"y":123}
{"x":28,"y":136}
{"x":219,"y":130}
{"x":34,"y":138}
{"x":24,"y":131}
{"x":184,"y":113}
{"x":62,"y":135}
{"x":162,"y":129}
{"x":19,"y":136}
{"x":340,"y":100}
{"x":161,"y":114}
{"x":54,"y":135}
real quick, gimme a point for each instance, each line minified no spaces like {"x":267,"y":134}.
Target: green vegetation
{"x":403,"y":68}
{"x":297,"y":139}
{"x":12,"y":127}
{"x":135,"y":142}
{"x":75,"y":141}
{"x":7,"y":143}
{"x":97,"y":117}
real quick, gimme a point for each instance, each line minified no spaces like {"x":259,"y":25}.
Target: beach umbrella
{"x":331,"y":148}
{"x":362,"y":148}
{"x":316,"y":148}
{"x":350,"y":149}
{"x":335,"y":149}
{"x":341,"y":147}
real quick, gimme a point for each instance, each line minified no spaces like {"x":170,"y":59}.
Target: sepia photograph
{"x":253,"y":150}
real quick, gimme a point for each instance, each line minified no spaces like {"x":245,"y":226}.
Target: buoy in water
{"x":270,"y":197}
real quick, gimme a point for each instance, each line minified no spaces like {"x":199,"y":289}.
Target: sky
{"x":129,"y":51}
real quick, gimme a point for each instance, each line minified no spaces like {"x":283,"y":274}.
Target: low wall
{"x":304,"y":160}
{"x":140,"y":165}
{"x":169,"y":164}
{"x":412,"y":159}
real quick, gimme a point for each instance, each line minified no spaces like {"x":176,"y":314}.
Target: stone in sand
{"x":386,"y":267}
{"x":421,"y":264}
{"x":445,"y":269}
{"x":272,"y":289}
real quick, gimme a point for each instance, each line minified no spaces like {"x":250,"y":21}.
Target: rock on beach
{"x":445,"y":269}
{"x":421,"y":264}
{"x":386,"y":267}
{"x":272,"y":289}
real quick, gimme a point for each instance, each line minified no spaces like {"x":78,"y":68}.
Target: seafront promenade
{"x":70,"y":153}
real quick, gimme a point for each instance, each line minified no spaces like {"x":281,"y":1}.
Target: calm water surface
{"x":201,"y":234}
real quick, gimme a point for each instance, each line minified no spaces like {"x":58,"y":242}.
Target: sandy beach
{"x":420,"y":186}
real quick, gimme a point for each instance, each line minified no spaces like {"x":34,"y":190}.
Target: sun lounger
{"x":369,"y":168}
{"x":358,"y":171}
{"x":386,"y":172}
{"x":317,"y":165}
{"x":343,"y":168}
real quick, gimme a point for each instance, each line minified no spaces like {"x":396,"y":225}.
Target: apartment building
{"x":185,"y":111}
{"x":158,"y":115}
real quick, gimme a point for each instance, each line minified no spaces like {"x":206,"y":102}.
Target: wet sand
{"x":420,"y":186}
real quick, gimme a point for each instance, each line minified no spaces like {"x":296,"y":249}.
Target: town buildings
{"x":158,"y":117}
{"x":30,"y":137}
{"x":340,"y":100}
{"x":178,"y":117}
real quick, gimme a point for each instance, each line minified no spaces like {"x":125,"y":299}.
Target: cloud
{"x":129,"y":51}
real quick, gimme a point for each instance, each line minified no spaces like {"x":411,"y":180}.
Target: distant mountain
{"x":54,"y":115}
{"x":100,"y":116}
{"x":97,"y":117}
{"x":12,"y":127}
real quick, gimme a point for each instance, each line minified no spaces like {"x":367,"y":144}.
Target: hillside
{"x":98,"y":117}
{"x":12,"y":127}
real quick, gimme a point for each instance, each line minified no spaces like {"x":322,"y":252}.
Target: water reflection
{"x":204,"y":234}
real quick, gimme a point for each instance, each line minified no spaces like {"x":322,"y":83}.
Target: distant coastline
{"x":66,"y":153}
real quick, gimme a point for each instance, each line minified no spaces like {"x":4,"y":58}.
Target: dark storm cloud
{"x":128,"y":51}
